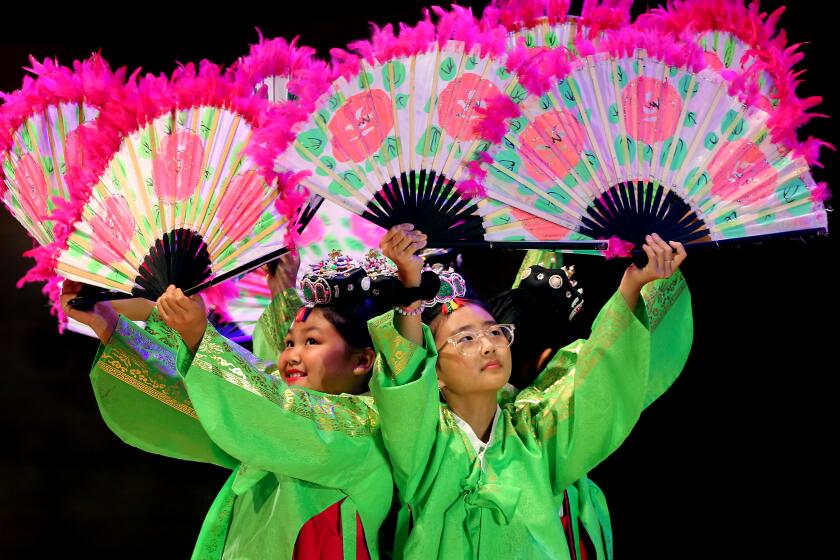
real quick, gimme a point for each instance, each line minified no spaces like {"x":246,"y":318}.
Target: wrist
{"x":192,"y":336}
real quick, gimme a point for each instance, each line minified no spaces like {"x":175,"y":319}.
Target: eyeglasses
{"x":467,"y":343}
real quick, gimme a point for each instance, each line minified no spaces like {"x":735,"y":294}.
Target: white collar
{"x":478,"y":446}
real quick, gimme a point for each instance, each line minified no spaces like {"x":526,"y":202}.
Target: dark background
{"x":735,"y":460}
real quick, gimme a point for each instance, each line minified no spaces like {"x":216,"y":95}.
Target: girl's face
{"x":317,"y":357}
{"x":485,"y":370}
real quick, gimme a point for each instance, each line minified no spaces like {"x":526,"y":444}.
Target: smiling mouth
{"x":293,"y":375}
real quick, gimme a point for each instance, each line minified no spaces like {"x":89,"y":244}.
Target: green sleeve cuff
{"x":400,"y":359}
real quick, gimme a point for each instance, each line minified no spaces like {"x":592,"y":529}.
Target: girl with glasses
{"x":479,"y":480}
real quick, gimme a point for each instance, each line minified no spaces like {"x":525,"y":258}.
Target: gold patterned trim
{"x":125,"y":366}
{"x":660,"y":297}
{"x":352,"y":415}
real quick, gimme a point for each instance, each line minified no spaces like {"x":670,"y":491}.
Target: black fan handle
{"x":91,"y":295}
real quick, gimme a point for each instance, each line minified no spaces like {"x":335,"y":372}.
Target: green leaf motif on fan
{"x":329,"y":163}
{"x":551,"y":39}
{"x":685,"y":84}
{"x":390,"y":148}
{"x":457,"y":147}
{"x":695,"y":182}
{"x":26,"y":137}
{"x":518,"y":94}
{"x":145,"y":150}
{"x":8,"y":168}
{"x":206,"y":125}
{"x":560,"y":196}
{"x":168,"y":127}
{"x":567,"y":90}
{"x":545,"y":102}
{"x":398,"y":69}
{"x":672,"y":71}
{"x":546,"y":206}
{"x":502,"y":73}
{"x":518,"y":124}
{"x":733,"y":231}
{"x":428,"y":146}
{"x":679,"y":154}
{"x":530,"y":41}
{"x":182,"y":118}
{"x":793,"y":193}
{"x":766,"y":219}
{"x":448,"y":69}
{"x":47,"y":165}
{"x":588,"y":117}
{"x":621,"y":75}
{"x":711,"y":141}
{"x":637,"y":67}
{"x":612,"y":117}
{"x":401,"y":100}
{"x":647,"y":153}
{"x":734,"y":124}
{"x":311,"y":143}
{"x":323,"y":116}
{"x":507,"y":159}
{"x":624,"y":147}
{"x":729,"y":51}
{"x":335,"y":102}
{"x":365,"y":80}
{"x":583,"y":169}
{"x":690,"y":120}
{"x":472,"y":61}
{"x":350,"y":178}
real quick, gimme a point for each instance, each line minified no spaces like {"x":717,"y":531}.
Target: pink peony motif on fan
{"x":713,"y":61}
{"x":361,"y":124}
{"x":242,"y":205}
{"x":368,"y":232}
{"x":73,"y":151}
{"x":113,"y":229}
{"x":33,"y":187}
{"x":558,"y":140}
{"x":653,"y":108}
{"x":457,"y":104}
{"x":543,"y":230}
{"x":741,"y":172}
{"x":176,"y":168}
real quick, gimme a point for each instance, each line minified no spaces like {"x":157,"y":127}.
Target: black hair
{"x":539,"y":325}
{"x":351,"y":321}
{"x":432,"y":313}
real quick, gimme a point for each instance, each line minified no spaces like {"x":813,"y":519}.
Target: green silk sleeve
{"x":590,"y":395}
{"x":161,"y":332}
{"x":261,"y":421}
{"x":143,"y":400}
{"x":405,"y":388}
{"x":668,"y":304}
{"x":274,"y":323}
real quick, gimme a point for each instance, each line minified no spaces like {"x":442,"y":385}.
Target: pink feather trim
{"x":617,"y":248}
{"x":455,"y":24}
{"x":521,"y":14}
{"x":89,"y":81}
{"x":217,"y":297}
{"x":492,"y":125}
{"x":657,"y":44}
{"x":820,"y":193}
{"x":308,"y":76}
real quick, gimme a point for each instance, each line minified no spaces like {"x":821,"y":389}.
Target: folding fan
{"x":40,"y":129}
{"x":169,"y":195}
{"x":395,"y":133}
{"x":633,"y":140}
